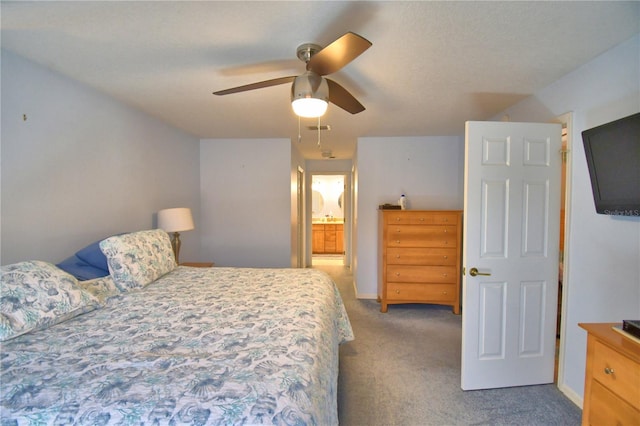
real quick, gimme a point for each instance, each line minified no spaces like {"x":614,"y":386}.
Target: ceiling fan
{"x":311,"y":91}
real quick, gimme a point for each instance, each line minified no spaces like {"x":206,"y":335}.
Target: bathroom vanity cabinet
{"x":328,"y":238}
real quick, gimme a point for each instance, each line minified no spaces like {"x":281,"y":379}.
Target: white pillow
{"x":35,"y":295}
{"x":139,"y":258}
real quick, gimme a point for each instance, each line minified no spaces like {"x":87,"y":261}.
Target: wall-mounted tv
{"x":613,"y":159}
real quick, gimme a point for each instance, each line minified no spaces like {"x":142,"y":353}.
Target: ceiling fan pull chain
{"x":318,"y":131}
{"x":299,"y":136}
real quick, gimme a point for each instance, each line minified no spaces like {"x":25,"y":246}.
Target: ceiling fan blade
{"x":253,"y":86}
{"x":338,"y":54}
{"x":339,"y":96}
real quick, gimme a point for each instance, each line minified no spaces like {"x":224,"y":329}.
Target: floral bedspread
{"x":217,"y":346}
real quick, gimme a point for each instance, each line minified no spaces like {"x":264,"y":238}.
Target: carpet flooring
{"x":403,"y":368}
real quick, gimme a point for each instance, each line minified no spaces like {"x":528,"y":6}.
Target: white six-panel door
{"x":511,"y":234}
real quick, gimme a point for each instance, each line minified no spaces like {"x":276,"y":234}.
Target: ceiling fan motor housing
{"x":310,"y":85}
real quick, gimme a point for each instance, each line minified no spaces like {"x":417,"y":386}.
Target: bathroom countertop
{"x":328,"y":222}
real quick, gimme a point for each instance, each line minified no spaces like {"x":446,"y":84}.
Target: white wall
{"x":246,"y":201}
{"x":603,"y":256}
{"x":83,"y":166}
{"x":428,"y":170}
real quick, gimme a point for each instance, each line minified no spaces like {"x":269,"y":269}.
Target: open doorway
{"x":328,"y":219}
{"x":566,"y":121}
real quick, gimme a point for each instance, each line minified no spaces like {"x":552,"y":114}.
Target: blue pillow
{"x":93,"y":256}
{"x":81,"y":269}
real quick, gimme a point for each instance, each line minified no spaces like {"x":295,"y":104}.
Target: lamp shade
{"x":309,"y":95}
{"x":175,"y":220}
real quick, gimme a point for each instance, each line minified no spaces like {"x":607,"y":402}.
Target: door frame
{"x":566,"y":120}
{"x":346,"y":208}
{"x":301,"y":219}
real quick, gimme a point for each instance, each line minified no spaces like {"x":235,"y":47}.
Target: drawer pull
{"x":422,"y":219}
{"x":397,"y":241}
{"x":608,"y":370}
{"x":444,"y":275}
{"x":445,"y":231}
{"x":397,"y":291}
{"x":397,"y":256}
{"x":446,"y":257}
{"x":397,"y":274}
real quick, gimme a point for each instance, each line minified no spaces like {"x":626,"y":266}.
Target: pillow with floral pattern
{"x":36,"y":295}
{"x":139,"y":258}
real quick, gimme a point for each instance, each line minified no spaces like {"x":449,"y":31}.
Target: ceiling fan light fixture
{"x":309,"y":95}
{"x":309,"y":107}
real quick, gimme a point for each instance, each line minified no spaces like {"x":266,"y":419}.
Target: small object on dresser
{"x":632,"y":327}
{"x":388,"y":206}
{"x":403,"y":202}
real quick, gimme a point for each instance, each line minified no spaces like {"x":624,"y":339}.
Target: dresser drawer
{"x":421,"y":274}
{"x":422,"y":256}
{"x":617,"y":372}
{"x":606,"y":408}
{"x":436,"y":293}
{"x":422,"y":218}
{"x":422,"y":236}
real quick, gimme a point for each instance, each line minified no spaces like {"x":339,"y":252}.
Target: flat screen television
{"x":613,"y":159}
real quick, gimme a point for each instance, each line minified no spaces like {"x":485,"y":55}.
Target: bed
{"x":156,"y":343}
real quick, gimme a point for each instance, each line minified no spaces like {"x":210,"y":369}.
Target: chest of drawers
{"x":419,"y":257}
{"x":612,"y":377}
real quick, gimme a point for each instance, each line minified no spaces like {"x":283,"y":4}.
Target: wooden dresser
{"x":612,"y":379}
{"x":419,"y":257}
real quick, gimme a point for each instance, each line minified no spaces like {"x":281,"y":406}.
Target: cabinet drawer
{"x":606,"y":408}
{"x":419,"y":292}
{"x":422,"y":218}
{"x":617,"y":372}
{"x":421,"y":274}
{"x":421,"y":256}
{"x":422,"y":236}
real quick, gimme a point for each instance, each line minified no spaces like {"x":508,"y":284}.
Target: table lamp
{"x":175,"y":221}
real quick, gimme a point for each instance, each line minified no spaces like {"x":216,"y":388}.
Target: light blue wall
{"x":246,"y":201}
{"x":83,"y":166}
{"x":428,"y":170}
{"x":603,"y":252}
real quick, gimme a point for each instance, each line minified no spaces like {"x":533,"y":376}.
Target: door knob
{"x":474,"y":271}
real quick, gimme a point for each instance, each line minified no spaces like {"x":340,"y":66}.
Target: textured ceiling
{"x":432,"y":66}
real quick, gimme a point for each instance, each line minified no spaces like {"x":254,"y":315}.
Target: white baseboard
{"x":571,"y":394}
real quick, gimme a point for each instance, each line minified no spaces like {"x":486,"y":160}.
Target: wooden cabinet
{"x":328,"y":238}
{"x":318,"y":238}
{"x":419,"y":257}
{"x":612,"y":377}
